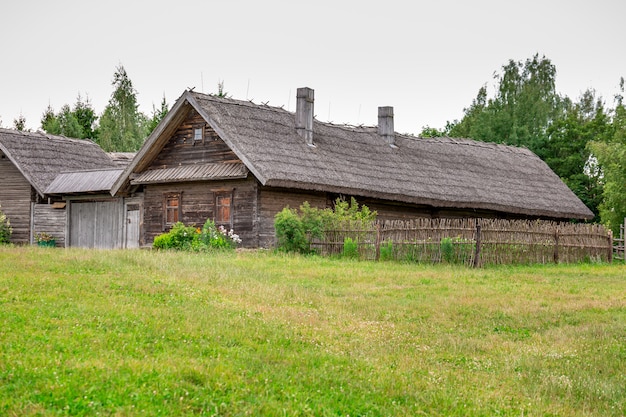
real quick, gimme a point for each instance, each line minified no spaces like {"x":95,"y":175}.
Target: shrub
{"x":290,"y":231}
{"x":218,"y":237}
{"x":295,"y":230}
{"x":350,"y":248}
{"x":386,"y":251}
{"x":5,"y":228}
{"x":163,"y":241}
{"x":190,"y":238}
{"x":447,"y":249}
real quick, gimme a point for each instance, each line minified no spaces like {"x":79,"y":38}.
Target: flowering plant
{"x":44,"y":237}
{"x":197,"y":239}
{"x":218,"y":237}
{"x":5,"y":228}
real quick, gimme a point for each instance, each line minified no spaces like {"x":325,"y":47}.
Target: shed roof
{"x":440,"y":172}
{"x":40,"y":157}
{"x":198,"y":172}
{"x":89,"y":181}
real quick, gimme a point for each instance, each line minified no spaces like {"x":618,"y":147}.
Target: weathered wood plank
{"x":15,"y":198}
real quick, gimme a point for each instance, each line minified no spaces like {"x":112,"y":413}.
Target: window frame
{"x":218,"y":220}
{"x":202,"y":131}
{"x":167,"y":197}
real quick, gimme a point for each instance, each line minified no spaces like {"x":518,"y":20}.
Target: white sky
{"x":426,"y":58}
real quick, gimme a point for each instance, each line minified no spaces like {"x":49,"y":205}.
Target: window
{"x":171,"y":208}
{"x":198,"y":134}
{"x":223,"y":212}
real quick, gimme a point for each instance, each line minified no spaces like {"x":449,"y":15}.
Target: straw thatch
{"x":441,"y":173}
{"x":41,"y":157}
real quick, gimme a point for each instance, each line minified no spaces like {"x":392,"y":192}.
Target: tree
{"x":122,"y":126}
{"x":86,"y":117}
{"x":566,"y":150}
{"x":610,"y":152}
{"x":157,"y":115}
{"x":74,"y":123}
{"x":20,"y":123}
{"x":524,"y":106}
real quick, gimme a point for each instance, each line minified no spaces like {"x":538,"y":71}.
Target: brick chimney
{"x":304,"y":114}
{"x":385,"y":125}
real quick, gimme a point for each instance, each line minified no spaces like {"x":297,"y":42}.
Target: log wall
{"x":198,"y":205}
{"x":15,"y":198}
{"x":182,"y":149}
{"x":51,"y":220}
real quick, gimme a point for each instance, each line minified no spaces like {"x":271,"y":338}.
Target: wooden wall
{"x":96,"y":223}
{"x":273,"y":200}
{"x":51,"y":220}
{"x":15,"y":198}
{"x":198,"y":205}
{"x":183,"y":150}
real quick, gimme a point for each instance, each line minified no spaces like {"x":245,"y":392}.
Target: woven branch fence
{"x":473,"y":242}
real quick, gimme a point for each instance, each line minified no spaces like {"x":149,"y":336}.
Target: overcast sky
{"x":427,"y":59}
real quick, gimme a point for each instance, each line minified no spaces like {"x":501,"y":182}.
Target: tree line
{"x":120,"y":128}
{"x":583,"y":140}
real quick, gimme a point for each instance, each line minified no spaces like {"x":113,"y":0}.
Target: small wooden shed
{"x":29,"y":162}
{"x":240,"y":163}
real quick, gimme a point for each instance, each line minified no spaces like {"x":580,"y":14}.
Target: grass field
{"x":127,"y":333}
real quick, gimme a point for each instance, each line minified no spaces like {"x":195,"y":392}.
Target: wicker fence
{"x":619,"y":244}
{"x":473,"y":242}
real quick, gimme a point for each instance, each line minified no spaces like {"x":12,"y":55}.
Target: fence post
{"x":377,"y":241}
{"x":610,"y":238}
{"x":478,"y":244}
{"x":556,"y":245}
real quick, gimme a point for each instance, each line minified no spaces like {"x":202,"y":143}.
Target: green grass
{"x":127,"y":333}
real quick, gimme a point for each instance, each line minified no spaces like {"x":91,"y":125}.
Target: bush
{"x":218,"y":237}
{"x":447,"y":249}
{"x":295,"y":230}
{"x":386,"y":251}
{"x":290,"y":232}
{"x":350,"y":248}
{"x":190,"y":238}
{"x":5,"y":228}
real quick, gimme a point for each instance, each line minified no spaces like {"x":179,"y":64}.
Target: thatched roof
{"x":41,"y":157}
{"x":439,"y":172}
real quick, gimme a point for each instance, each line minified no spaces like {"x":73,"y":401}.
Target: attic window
{"x":198,"y":134}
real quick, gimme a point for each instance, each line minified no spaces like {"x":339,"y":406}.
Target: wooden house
{"x":240,"y":163}
{"x":29,"y":163}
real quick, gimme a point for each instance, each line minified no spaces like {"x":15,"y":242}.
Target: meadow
{"x":125,"y":333}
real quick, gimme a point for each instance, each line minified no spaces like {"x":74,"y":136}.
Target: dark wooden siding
{"x":198,"y":205}
{"x":183,"y":150}
{"x":50,"y":220}
{"x":15,"y":198}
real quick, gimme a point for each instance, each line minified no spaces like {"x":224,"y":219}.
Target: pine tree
{"x":122,"y":126}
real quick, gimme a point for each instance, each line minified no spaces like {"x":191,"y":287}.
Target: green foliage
{"x":157,"y":115}
{"x":290,"y":231}
{"x":123,"y":127}
{"x":524,"y":106}
{"x":163,"y":241}
{"x":190,"y":238}
{"x":215,"y":237}
{"x":5,"y":228}
{"x":73,"y":123}
{"x":447,"y":249}
{"x":20,"y":123}
{"x":386,"y":251}
{"x":296,"y":230}
{"x":610,"y":152}
{"x":350,"y":248}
